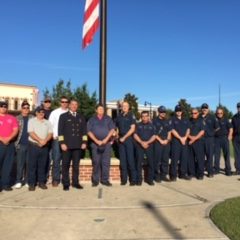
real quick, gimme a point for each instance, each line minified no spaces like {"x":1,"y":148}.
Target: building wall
{"x":15,"y":94}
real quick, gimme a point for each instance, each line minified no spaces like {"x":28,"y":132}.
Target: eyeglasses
{"x":47,"y":101}
{"x":25,"y":108}
{"x":194,"y":113}
{"x":64,"y":101}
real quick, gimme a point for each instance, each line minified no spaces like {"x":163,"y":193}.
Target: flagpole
{"x":103,"y":52}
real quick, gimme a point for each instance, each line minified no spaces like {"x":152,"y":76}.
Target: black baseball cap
{"x":178,"y":108}
{"x":3,"y":104}
{"x":25,"y":103}
{"x":162,"y":109}
{"x":39,"y":109}
{"x":204,"y":105}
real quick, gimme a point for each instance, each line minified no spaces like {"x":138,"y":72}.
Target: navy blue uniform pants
{"x":196,"y":159}
{"x":149,"y":154}
{"x":127,"y":161}
{"x":179,"y":156}
{"x":236,"y":145}
{"x":73,"y":155}
{"x":6,"y":162}
{"x":22,"y":161}
{"x":161,"y":159}
{"x":209,"y":152}
{"x":222,"y":143}
{"x":101,"y":163}
{"x":37,"y":164}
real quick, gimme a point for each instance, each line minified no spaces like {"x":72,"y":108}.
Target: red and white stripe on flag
{"x":91,"y":21}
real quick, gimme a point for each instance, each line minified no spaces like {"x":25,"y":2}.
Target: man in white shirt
{"x":56,"y":152}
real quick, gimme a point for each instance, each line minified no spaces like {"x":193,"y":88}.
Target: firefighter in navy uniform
{"x":162,"y":145}
{"x":72,"y":132}
{"x":211,"y":126}
{"x":236,"y":138}
{"x":125,"y":124}
{"x":145,"y":137}
{"x":179,"y":146}
{"x":222,"y":138}
{"x":196,"y":145}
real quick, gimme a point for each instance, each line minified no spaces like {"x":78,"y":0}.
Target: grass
{"x":226,"y":216}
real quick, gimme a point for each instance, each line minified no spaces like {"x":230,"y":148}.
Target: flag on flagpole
{"x":91,"y":21}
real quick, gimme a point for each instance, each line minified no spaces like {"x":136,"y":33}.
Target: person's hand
{"x":64,"y":147}
{"x":83,"y":146}
{"x":122,"y":139}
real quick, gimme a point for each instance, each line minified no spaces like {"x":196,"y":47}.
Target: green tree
{"x":87,"y":101}
{"x":133,"y":102}
{"x":186,"y":107}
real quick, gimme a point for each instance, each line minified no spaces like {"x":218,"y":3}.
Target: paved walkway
{"x":178,"y":210}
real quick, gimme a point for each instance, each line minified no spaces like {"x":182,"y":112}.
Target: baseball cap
{"x":162,"y":109}
{"x":3,"y":104}
{"x":25,"y":103}
{"x":204,"y":105}
{"x":39,"y":109}
{"x":47,"y":99}
{"x":178,"y":108}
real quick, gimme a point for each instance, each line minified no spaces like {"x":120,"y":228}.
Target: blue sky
{"x":159,"y":50}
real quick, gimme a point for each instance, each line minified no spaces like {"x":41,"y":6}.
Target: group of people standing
{"x":168,"y":147}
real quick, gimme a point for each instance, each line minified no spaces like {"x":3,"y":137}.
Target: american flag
{"x":91,"y":21}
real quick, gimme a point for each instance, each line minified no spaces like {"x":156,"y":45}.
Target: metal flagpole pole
{"x":103,"y":52}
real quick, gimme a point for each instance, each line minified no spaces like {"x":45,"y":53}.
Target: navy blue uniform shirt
{"x":225,"y":125}
{"x":211,"y":125}
{"x":100,"y":127}
{"x":124,"y":122}
{"x":145,"y":131}
{"x":180,"y":125}
{"x":162,"y":126}
{"x":196,"y":126}
{"x":236,"y":124}
{"x":24,"y":137}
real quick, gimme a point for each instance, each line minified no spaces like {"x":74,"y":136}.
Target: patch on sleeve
{"x":60,"y":138}
{"x":85,"y":138}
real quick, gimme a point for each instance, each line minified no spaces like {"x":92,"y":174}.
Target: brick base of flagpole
{"x":86,"y":170}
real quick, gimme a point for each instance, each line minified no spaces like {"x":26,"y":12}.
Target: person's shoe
{"x":65,"y":188}
{"x":0,"y":189}
{"x":228,"y":174}
{"x":200,"y":178}
{"x":108,"y":184}
{"x":210,"y":175}
{"x":95,"y":184}
{"x":77,"y":186}
{"x":26,"y":185}
{"x":185,"y":177}
{"x":31,"y":188}
{"x":132,"y":184}
{"x":17,"y":186}
{"x":151,"y":183}
{"x":55,"y":184}
{"x":237,"y":173}
{"x":165,"y":179}
{"x":173,"y":179}
{"x":7,"y":189}
{"x":139,"y":183}
{"x":123,"y":183}
{"x":42,"y":186}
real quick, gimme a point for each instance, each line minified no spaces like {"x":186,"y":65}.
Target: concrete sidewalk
{"x":178,"y":210}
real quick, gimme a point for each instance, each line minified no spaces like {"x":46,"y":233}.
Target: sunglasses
{"x":3,"y":107}
{"x":64,"y":101}
{"x":47,"y":101}
{"x":194,"y":113}
{"x":219,"y":113}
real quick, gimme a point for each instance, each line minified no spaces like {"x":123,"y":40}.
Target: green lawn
{"x":226,"y":216}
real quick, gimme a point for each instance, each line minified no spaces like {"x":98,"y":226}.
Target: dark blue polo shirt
{"x":100,"y":127}
{"x":145,"y":131}
{"x":211,"y":125}
{"x":180,"y":125}
{"x":196,"y":126}
{"x":162,"y":126}
{"x":24,"y":138}
{"x":225,"y":125}
{"x":236,"y":124}
{"x":124,"y":122}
